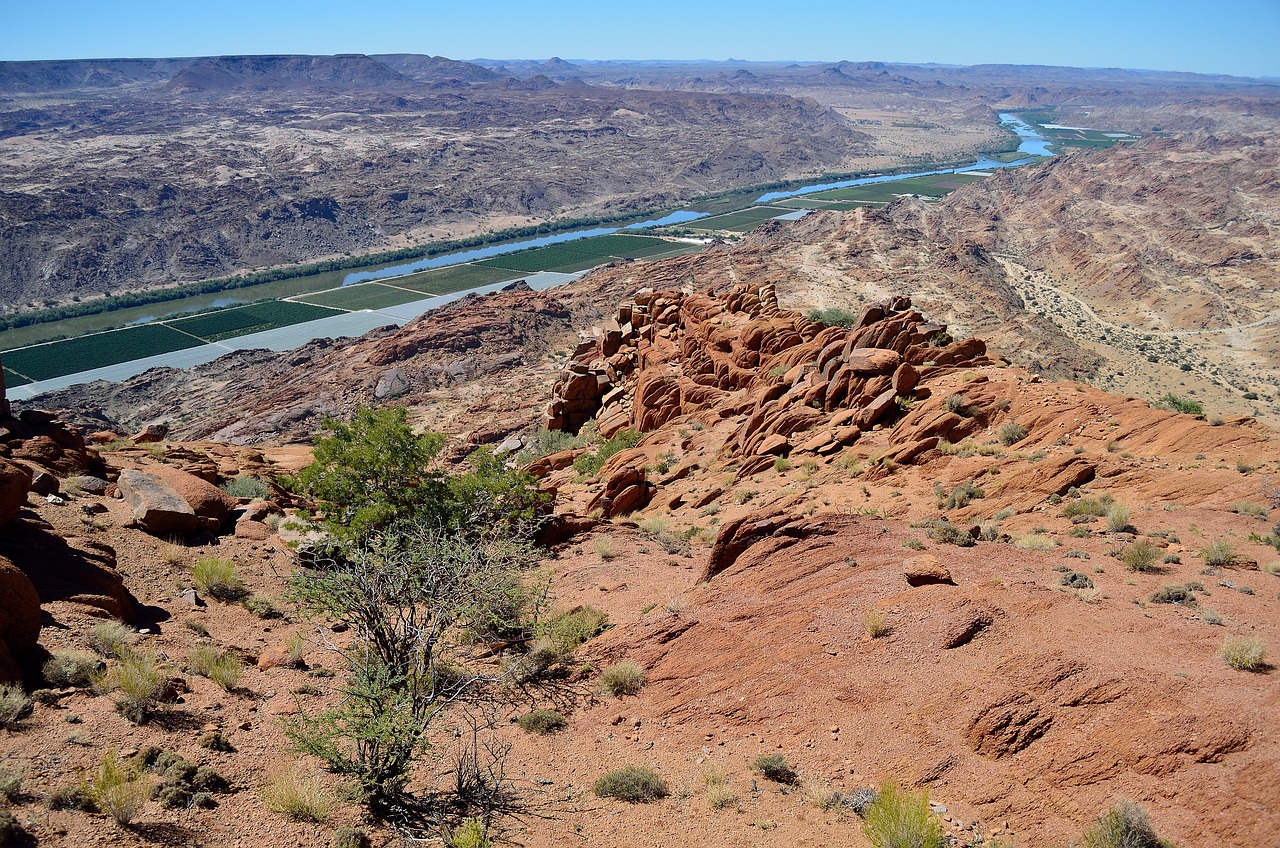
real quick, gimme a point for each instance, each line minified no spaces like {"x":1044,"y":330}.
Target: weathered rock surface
{"x":19,"y":619}
{"x":156,"y":506}
{"x":15,"y":482}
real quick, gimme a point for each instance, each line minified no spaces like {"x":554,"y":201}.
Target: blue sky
{"x":1231,"y":36}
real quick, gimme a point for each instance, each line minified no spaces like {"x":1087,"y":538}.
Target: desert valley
{"x":400,"y":450}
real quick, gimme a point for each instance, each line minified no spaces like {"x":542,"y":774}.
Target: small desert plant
{"x":566,"y":631}
{"x":542,"y":722}
{"x":1076,"y":580}
{"x":1209,"y":616}
{"x":1141,"y":556}
{"x":135,"y":683}
{"x":1118,"y":518}
{"x":219,"y":578}
{"x":776,"y":768}
{"x":196,"y":627}
{"x":348,"y":837}
{"x":11,"y":832}
{"x":622,"y":678}
{"x":876,"y":623}
{"x":263,"y":606}
{"x":246,"y":487}
{"x":109,"y":638}
{"x":71,"y":668}
{"x":1218,"y":554}
{"x":604,"y":548}
{"x":471,"y":833}
{"x":957,"y":403}
{"x":10,"y":785}
{"x":720,"y":796}
{"x":633,"y":784}
{"x":1174,"y":594}
{"x":118,"y":789}
{"x":1035,"y":542}
{"x":898,"y":819}
{"x":1011,"y":432}
{"x":1174,"y":403}
{"x":215,"y":741}
{"x":298,"y":796}
{"x":74,"y":797}
{"x":1245,"y":653}
{"x":1125,"y":825}
{"x":222,"y":667}
{"x":14,"y":705}
{"x":959,"y":497}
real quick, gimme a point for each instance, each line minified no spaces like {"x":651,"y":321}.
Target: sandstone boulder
{"x":19,"y":619}
{"x":157,"y":507}
{"x":925,"y":571}
{"x":15,"y":482}
{"x":204,"y":498}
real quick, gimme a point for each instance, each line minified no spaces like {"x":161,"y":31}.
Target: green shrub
{"x":1174,"y":403}
{"x":14,"y":705}
{"x":1218,"y":554}
{"x":118,"y":789}
{"x":219,"y":578}
{"x":263,"y":606}
{"x":247,"y":487}
{"x":834,"y":317}
{"x":1118,"y":519}
{"x":776,"y":768}
{"x":135,"y":683}
{"x":1141,"y":556}
{"x":74,"y":797}
{"x":110,"y":638}
{"x":589,"y":464}
{"x":71,"y":668}
{"x":222,"y":667}
{"x":568,"y":630}
{"x":470,"y":834}
{"x":622,"y":678}
{"x":959,"y":404}
{"x":298,"y":796}
{"x":1245,"y":653}
{"x":898,"y":819}
{"x":1125,"y":825}
{"x":542,"y":722}
{"x":959,"y":497}
{"x":10,"y":785}
{"x":947,"y":533}
{"x":1011,"y":432}
{"x":633,"y":784}
{"x":1087,"y":507}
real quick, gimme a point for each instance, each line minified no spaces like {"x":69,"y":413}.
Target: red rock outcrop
{"x":671,"y":353}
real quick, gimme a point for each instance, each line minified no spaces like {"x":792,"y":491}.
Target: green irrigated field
{"x":453,"y":278}
{"x":73,"y":355}
{"x":618,"y":245}
{"x":13,"y":378}
{"x":242,"y":320}
{"x":362,"y":296}
{"x":552,"y":258}
{"x":742,"y":221}
{"x":803,"y":203}
{"x":936,"y":185}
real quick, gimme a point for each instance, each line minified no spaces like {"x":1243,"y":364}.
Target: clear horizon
{"x":1236,"y":37}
